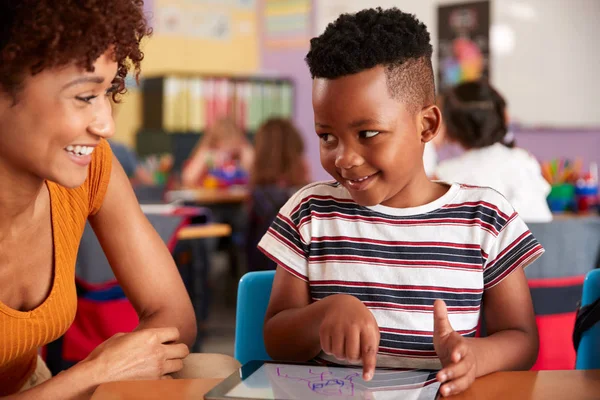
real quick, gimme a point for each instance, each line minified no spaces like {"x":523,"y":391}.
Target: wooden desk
{"x":204,"y":231}
{"x":203,"y":196}
{"x":530,"y":385}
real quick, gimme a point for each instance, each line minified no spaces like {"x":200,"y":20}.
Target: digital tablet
{"x":267,"y":380}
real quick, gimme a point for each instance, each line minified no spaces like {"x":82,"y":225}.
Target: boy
{"x":363,"y":262}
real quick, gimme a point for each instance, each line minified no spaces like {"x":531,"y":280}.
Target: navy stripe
{"x":399,"y":253}
{"x":507,"y":260}
{"x":410,"y":342}
{"x":284,"y":229}
{"x":466,"y":212}
{"x":399,"y":297}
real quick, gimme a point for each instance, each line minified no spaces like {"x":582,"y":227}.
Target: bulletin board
{"x":287,"y":23}
{"x":203,"y":36}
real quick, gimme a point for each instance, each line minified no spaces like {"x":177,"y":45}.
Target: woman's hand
{"x":144,"y":354}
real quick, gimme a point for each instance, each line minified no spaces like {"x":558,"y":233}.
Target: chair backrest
{"x":254,"y":292}
{"x":588,"y":352}
{"x":555,"y":306}
{"x":92,"y":265}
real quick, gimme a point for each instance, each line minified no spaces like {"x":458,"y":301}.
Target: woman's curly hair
{"x":40,"y":34}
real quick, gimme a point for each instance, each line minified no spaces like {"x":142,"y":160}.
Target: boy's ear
{"x":431,"y":121}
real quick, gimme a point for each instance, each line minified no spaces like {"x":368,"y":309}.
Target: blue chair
{"x":588,"y":352}
{"x":254,"y":292}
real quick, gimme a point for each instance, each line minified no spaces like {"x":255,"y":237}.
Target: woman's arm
{"x":141,"y":261}
{"x":77,"y":382}
{"x":147,"y":354}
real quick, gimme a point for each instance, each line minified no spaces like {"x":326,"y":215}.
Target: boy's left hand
{"x":455,"y":353}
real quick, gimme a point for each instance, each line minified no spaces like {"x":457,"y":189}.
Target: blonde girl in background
{"x":223,"y":143}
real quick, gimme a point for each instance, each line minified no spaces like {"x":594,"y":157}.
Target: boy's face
{"x":370,"y":143}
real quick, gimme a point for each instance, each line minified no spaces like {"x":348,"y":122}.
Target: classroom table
{"x":572,"y":244}
{"x":526,"y":385}
{"x":204,"y":196}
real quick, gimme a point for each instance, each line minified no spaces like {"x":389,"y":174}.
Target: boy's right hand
{"x":350,"y":332}
{"x":144,"y":354}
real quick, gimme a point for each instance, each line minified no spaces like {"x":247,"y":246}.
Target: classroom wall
{"x":289,"y":62}
{"x":544,"y":54}
{"x":187,"y":40}
{"x":545,"y":142}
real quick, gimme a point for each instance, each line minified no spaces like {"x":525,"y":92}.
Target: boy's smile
{"x":370,"y":142}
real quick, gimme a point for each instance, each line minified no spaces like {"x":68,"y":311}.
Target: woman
{"x":59,"y":62}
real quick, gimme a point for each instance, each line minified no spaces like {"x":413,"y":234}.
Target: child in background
{"x":223,"y":143}
{"x":279,"y":170}
{"x":137,"y":174}
{"x":383,"y":266}
{"x":475,"y":118}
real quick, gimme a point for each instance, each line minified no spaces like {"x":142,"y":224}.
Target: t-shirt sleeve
{"x":514,"y":247}
{"x":287,"y":240}
{"x":99,"y":176}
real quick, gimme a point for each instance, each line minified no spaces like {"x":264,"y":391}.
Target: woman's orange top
{"x":22,"y":333}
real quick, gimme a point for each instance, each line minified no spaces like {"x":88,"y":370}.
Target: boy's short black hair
{"x":474,"y":113}
{"x":372,"y":37}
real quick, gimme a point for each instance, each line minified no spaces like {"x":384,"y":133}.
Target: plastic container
{"x":586,"y":196}
{"x":561,"y":198}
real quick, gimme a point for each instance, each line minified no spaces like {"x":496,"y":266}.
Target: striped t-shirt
{"x":398,"y":261}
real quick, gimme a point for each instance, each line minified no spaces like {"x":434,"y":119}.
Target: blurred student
{"x":279,"y":170}
{"x":137,"y":174}
{"x":475,"y":117}
{"x":224,"y":143}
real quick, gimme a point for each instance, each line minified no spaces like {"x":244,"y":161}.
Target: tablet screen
{"x":288,"y":381}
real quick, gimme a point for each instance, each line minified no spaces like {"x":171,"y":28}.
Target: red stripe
{"x":450,"y":311}
{"x":412,"y":353}
{"x":374,"y":260}
{"x":479,"y":203}
{"x":411,"y":266}
{"x":388,"y":286}
{"x":420,"y":333}
{"x":392,"y":306}
{"x":437,"y":221}
{"x":395,"y":243}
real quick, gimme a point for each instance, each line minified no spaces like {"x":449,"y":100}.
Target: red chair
{"x":555,"y":305}
{"x":102,"y":307}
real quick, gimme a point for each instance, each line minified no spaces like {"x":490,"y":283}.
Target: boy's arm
{"x":292,"y":323}
{"x":511,"y":344}
{"x":340,"y":325}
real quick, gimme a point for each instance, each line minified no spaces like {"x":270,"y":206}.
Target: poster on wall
{"x":463,"y":43}
{"x":287,"y":23}
{"x":204,"y":19}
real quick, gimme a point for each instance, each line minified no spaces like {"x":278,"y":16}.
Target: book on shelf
{"x":178,"y":104}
